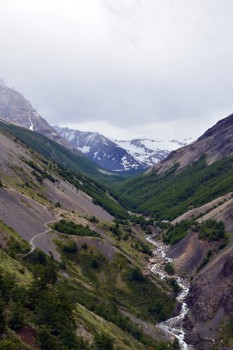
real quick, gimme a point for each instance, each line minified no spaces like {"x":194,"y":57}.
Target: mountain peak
{"x":221,"y":125}
{"x":216,"y":143}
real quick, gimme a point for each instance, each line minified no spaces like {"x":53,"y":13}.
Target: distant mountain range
{"x":119,"y":156}
{"x":113,"y":155}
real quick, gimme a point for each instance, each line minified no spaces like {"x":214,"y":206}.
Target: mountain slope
{"x":76,"y":169}
{"x":69,"y":294}
{"x":118,"y":156}
{"x":216,"y":143}
{"x":187,"y":178}
{"x":14,"y":108}
{"x":100,"y":149}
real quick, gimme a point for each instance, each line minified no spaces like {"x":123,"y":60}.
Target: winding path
{"x":31,"y":242}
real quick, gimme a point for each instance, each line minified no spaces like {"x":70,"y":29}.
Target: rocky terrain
{"x":211,"y":303}
{"x":216,"y":143}
{"x":14,"y":108}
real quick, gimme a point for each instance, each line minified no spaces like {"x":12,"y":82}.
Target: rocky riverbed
{"x":173,"y":326}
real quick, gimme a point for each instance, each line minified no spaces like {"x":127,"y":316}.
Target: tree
{"x":16,"y":320}
{"x":136,"y":275}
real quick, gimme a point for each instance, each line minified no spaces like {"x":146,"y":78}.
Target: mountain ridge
{"x":129,"y":157}
{"x":216,"y":143}
{"x":119,"y":155}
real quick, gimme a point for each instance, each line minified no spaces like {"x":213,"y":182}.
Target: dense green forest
{"x":166,"y":196}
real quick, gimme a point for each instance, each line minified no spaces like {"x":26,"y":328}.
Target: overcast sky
{"x":125,"y":68}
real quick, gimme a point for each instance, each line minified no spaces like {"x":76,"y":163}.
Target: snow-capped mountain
{"x":149,"y":152}
{"x":119,"y":156}
{"x":107,"y":153}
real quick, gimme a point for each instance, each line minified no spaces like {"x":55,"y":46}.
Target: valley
{"x":142,"y":262}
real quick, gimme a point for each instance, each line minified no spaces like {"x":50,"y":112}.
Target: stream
{"x":174,"y":325}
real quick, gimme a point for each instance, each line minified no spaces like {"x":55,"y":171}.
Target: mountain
{"x":70,"y":277}
{"x":216,"y":143}
{"x":100,"y":149}
{"x":119,"y":156}
{"x":71,"y":166}
{"x":14,"y":108}
{"x":189,"y":194}
{"x":149,"y":152}
{"x":189,"y":177}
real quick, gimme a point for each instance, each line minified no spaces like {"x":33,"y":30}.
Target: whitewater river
{"x":172,"y":326}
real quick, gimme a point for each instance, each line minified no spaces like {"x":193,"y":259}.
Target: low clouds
{"x":135,"y":67}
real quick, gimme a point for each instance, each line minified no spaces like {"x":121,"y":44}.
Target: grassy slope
{"x":54,"y":151}
{"x":73,"y":168}
{"x":96,"y":302}
{"x":169,"y":195}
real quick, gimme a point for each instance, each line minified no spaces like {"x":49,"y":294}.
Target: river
{"x":173,"y":326}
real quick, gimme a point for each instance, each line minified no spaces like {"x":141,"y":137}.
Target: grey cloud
{"x":128,"y":62}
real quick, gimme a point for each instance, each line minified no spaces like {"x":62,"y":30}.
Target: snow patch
{"x":30,"y":125}
{"x":84,"y":149}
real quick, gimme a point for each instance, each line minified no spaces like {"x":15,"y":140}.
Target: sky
{"x":160,"y":69}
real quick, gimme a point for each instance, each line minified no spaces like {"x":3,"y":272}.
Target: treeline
{"x":72,"y":228}
{"x":209,"y":230}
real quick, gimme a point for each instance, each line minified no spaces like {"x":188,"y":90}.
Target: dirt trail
{"x":48,"y":229}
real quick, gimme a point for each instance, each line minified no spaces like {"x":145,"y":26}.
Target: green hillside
{"x":73,"y":168}
{"x":51,"y":149}
{"x":169,"y":195}
{"x":40,"y":309}
{"x":56,"y":152}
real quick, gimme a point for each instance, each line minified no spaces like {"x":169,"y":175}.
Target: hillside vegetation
{"x":71,"y":287}
{"x":168,"y":195}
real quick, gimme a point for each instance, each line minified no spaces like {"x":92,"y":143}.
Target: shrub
{"x":70,"y":247}
{"x":169,"y":268}
{"x":136,"y":275}
{"x":16,"y":320}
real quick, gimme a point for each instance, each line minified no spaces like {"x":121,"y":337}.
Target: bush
{"x":136,"y":275}
{"x":70,"y":247}
{"x":169,"y":268}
